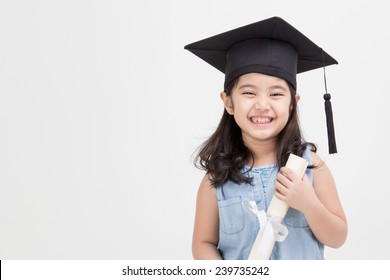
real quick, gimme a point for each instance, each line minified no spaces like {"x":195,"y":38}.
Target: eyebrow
{"x":278,"y":87}
{"x":247,"y":86}
{"x":272,"y":87}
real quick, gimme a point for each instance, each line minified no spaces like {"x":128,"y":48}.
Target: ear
{"x":227,"y":102}
{"x":297,"y":98}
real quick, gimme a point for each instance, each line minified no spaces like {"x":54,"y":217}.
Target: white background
{"x":101,"y":110}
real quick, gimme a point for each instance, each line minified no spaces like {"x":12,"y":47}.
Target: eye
{"x":248,"y":93}
{"x":276,"y":94}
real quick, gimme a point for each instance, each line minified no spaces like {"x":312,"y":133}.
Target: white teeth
{"x":261,"y":120}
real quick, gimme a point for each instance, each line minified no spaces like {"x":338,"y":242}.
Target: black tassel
{"x":329,"y":115}
{"x":330,"y":125}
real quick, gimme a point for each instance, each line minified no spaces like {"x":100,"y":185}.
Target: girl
{"x":244,"y":158}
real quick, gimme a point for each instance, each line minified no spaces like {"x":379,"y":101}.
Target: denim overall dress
{"x":238,"y":227}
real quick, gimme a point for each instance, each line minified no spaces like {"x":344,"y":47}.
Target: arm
{"x":206,"y":228}
{"x":319,"y":202}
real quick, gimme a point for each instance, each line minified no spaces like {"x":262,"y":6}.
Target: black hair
{"x":224,"y":154}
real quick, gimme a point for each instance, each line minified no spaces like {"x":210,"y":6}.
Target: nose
{"x":262,"y":104}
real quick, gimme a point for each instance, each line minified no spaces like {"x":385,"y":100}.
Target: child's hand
{"x":297,"y":193}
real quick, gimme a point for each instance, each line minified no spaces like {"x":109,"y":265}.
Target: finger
{"x":287,"y":172}
{"x":279,"y":195}
{"x":281,"y":178}
{"x":279,"y":187}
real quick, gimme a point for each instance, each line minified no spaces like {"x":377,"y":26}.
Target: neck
{"x":263,"y":152}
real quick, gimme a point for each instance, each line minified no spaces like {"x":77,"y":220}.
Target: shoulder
{"x":322,"y":176}
{"x":206,"y":182}
{"x":206,"y":191}
{"x":318,"y":163}
{"x":316,"y":159}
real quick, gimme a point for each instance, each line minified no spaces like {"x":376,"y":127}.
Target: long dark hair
{"x":224,"y":154}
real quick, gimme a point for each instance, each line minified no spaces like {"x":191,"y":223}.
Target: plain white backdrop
{"x":101,"y":110}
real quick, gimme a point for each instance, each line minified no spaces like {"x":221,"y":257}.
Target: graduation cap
{"x":272,"y":47}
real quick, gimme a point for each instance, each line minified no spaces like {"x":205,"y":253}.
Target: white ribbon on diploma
{"x":271,"y":227}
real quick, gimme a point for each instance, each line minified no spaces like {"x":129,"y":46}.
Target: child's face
{"x":261,"y":106}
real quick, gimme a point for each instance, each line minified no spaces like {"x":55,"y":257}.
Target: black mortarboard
{"x":271,"y":47}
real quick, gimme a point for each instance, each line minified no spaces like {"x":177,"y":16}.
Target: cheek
{"x":240,"y":106}
{"x":241,"y":111}
{"x":283,"y":107}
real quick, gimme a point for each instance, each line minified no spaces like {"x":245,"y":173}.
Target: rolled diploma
{"x":265,"y":240}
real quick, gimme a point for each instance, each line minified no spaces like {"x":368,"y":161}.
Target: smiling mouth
{"x":258,"y":120}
